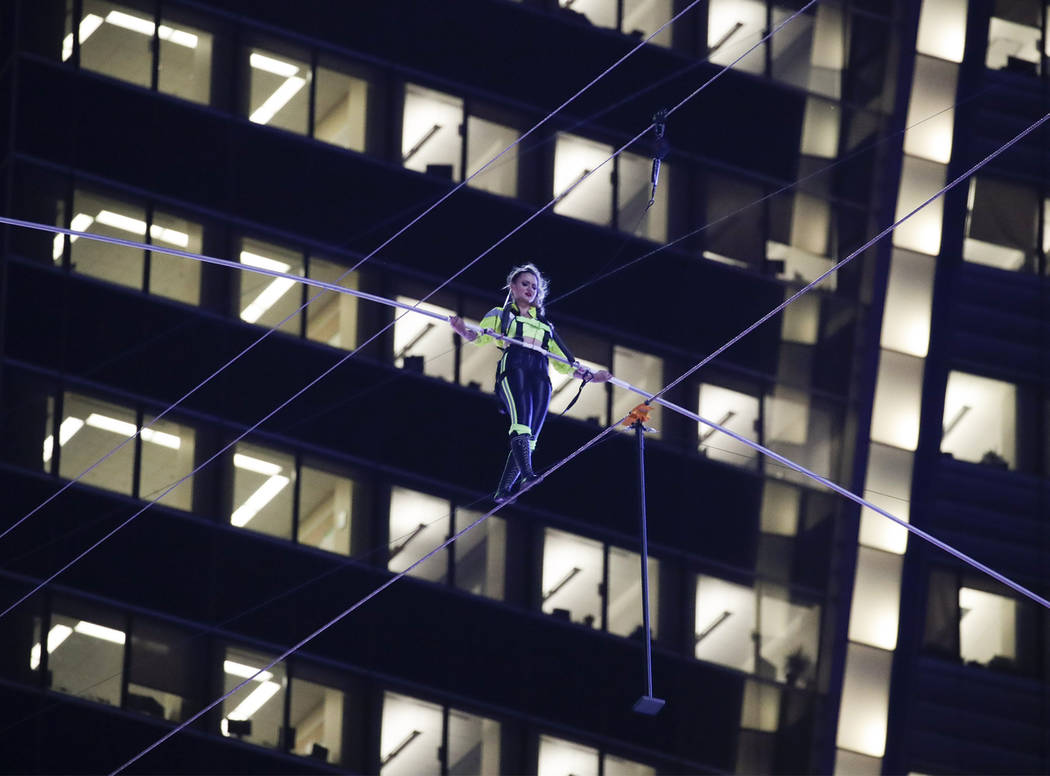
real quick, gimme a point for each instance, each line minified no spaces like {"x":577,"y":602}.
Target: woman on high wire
{"x":522,"y":380}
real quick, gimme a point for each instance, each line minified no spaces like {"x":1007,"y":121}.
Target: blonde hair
{"x":541,"y":285}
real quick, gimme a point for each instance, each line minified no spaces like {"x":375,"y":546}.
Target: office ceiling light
{"x":135,"y":226}
{"x":100,"y":632}
{"x":88,"y":25}
{"x":173,"y":236}
{"x":259,"y":499}
{"x":161,"y":438}
{"x":127,"y":429}
{"x":55,"y":637}
{"x":255,"y":701}
{"x":80,"y":223}
{"x":252,"y":464}
{"x":245,"y":671}
{"x":271,"y":65}
{"x":69,"y":427}
{"x":269,"y":295}
{"x":285,"y":92}
{"x":145,"y":26}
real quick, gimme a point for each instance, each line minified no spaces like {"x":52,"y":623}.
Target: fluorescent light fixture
{"x":81,"y":223}
{"x":259,"y":499}
{"x":173,"y":236}
{"x":57,"y":246}
{"x":245,"y":671}
{"x":107,"y":423}
{"x":100,"y":632}
{"x":55,"y":637}
{"x":269,"y":295}
{"x":178,"y":37}
{"x":271,"y":65}
{"x":255,"y":260}
{"x":255,"y":701}
{"x":257,"y":465}
{"x":145,"y":26}
{"x":88,"y":25}
{"x":119,"y":221}
{"x":69,"y":427}
{"x":161,"y":438}
{"x":285,"y":92}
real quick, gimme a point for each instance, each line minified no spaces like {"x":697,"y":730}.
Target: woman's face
{"x":524,"y":288}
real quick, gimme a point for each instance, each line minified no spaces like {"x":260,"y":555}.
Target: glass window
{"x":473,"y":744}
{"x":164,"y":672}
{"x":909,"y":298}
{"x":735,"y":411}
{"x":932,"y":95}
{"x":920,"y":180}
{"x":424,"y":344}
{"x":278,"y":92}
{"x":780,"y":508}
{"x":262,"y":490}
{"x":1001,"y":225}
{"x":331,"y":318}
{"x":266,"y":300}
{"x":898,"y":391}
{"x":175,"y":277}
{"x":316,"y":716}
{"x":987,"y":626}
{"x":942,"y":29}
{"x":887,"y":485}
{"x":634,"y":174}
{"x":561,"y":758}
{"x":625,"y":594}
{"x":116,"y":40}
{"x":418,"y":523}
{"x":593,"y":402}
{"x":642,"y":371}
{"x":1014,"y":36}
{"x":101,"y":215}
{"x":572,"y":577}
{"x":820,"y":127}
{"x":341,"y":108}
{"x":254,"y":713}
{"x":485,"y":139}
{"x":591,"y":200}
{"x":185,"y":58}
{"x":733,"y":26}
{"x":739,"y":239}
{"x":875,"y":611}
{"x":477,"y":365}
{"x":480,"y":555}
{"x":618,"y":766}
{"x":865,"y":700}
{"x":980,"y":420}
{"x":167,"y":457}
{"x":90,"y":429}
{"x":725,"y":621}
{"x":644,"y":17}
{"x":326,"y":509}
{"x":431,"y":137}
{"x":85,"y":652}
{"x":410,"y":741}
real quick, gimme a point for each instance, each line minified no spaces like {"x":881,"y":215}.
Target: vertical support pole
{"x":647,"y":704}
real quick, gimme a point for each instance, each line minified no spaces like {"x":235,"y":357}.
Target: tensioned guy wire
{"x":464,"y":182}
{"x":352,"y":353}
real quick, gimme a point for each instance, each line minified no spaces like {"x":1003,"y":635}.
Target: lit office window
{"x":738,"y":237}
{"x":175,"y":277}
{"x":942,"y":29}
{"x":644,"y":17}
{"x":558,"y":757}
{"x":85,"y":652}
{"x":761,"y":707}
{"x":792,"y":47}
{"x":572,"y":577}
{"x":801,"y":319}
{"x":865,"y":701}
{"x":473,"y":743}
{"x":980,"y":420}
{"x":89,"y":430}
{"x":326,"y":508}
{"x":887,"y":485}
{"x":167,"y":457}
{"x":431,"y":136}
{"x":898,"y":393}
{"x":987,"y":626}
{"x":279,"y":93}
{"x":576,"y":167}
{"x":1001,"y":225}
{"x":478,"y":364}
{"x":184,"y":69}
{"x":115,"y":40}
{"x":480,"y":554}
{"x":909,"y":298}
{"x":735,"y":411}
{"x":920,"y":180}
{"x":109,"y":217}
{"x":642,"y":371}
{"x":266,"y":300}
{"x":262,"y":490}
{"x":874,"y":615}
{"x":418,"y":524}
{"x":593,"y":402}
{"x":316,"y":715}
{"x":331,"y":318}
{"x":254,"y":713}
{"x":164,"y":671}
{"x":820,"y":127}
{"x":781,"y":504}
{"x":733,"y":26}
{"x":486,"y":139}
{"x":341,"y":108}
{"x":618,"y":766}
{"x":931,"y":119}
{"x":410,"y":740}
{"x":1014,"y":36}
{"x":625,"y":594}
{"x":634,"y":174}
{"x":424,"y":344}
{"x":601,"y":13}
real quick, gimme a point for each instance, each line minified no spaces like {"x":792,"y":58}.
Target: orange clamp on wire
{"x":639,"y":414}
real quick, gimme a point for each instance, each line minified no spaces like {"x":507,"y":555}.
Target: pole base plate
{"x":649,"y":705}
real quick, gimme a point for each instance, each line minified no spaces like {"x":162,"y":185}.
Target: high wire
{"x":352,"y":353}
{"x":457,"y":187}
